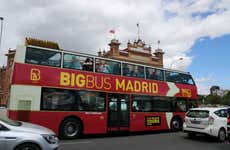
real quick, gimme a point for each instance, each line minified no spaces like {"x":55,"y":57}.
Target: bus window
{"x":90,"y":101}
{"x":108,"y":66}
{"x":43,"y":57}
{"x":172,"y":77}
{"x":155,"y":74}
{"x":162,"y":104}
{"x":58,"y":99}
{"x":78,"y":62}
{"x":141,"y":103}
{"x":179,"y":105}
{"x":136,"y":106}
{"x":191,"y":103}
{"x":179,"y":78}
{"x":133,"y":70}
{"x":187,"y":79}
{"x":147,"y":106}
{"x":70,"y":100}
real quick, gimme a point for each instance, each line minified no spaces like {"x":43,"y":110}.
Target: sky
{"x":196,"y":30}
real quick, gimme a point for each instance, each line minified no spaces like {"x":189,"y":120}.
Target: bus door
{"x":118,"y":111}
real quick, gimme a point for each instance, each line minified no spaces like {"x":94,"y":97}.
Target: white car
{"x":15,"y":135}
{"x":209,"y":121}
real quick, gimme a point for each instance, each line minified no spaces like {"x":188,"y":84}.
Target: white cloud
{"x":204,"y":84}
{"x":84,"y":25}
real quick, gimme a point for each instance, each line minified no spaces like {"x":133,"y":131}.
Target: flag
{"x":112,"y":31}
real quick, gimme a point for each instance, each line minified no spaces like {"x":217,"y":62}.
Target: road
{"x":156,"y":141}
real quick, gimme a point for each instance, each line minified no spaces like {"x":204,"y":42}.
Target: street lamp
{"x":173,"y":62}
{"x":1,"y":18}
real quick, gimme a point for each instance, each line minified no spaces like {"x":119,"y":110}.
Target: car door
{"x":221,"y":121}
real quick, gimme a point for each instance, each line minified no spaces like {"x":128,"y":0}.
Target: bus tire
{"x":71,"y":128}
{"x":222,"y":135}
{"x":176,"y":124}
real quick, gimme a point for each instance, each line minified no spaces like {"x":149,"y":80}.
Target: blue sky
{"x":211,"y":60}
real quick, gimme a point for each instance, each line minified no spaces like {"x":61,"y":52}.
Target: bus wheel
{"x":176,"y":124}
{"x":70,"y":128}
{"x":221,"y":135}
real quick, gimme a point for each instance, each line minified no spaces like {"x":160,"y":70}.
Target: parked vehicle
{"x":209,"y":121}
{"x":15,"y":135}
{"x":228,"y":122}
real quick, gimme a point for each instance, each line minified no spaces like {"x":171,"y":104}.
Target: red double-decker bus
{"x":74,"y":93}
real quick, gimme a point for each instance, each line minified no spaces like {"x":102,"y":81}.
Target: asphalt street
{"x":150,"y":141}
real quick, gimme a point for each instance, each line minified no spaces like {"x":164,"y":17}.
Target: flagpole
{"x":138,"y":31}
{"x":158,"y":43}
{"x":1,"y":19}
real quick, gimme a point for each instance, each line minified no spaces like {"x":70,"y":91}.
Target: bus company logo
{"x":35,"y":74}
{"x":186,"y":92}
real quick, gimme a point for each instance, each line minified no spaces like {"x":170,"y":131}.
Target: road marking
{"x":71,"y":143}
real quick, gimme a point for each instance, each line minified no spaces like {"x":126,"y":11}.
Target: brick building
{"x":5,"y":75}
{"x":136,"y":52}
{"x":2,"y":78}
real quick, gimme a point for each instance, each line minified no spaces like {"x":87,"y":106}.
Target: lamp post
{"x":173,"y":62}
{"x":1,"y":19}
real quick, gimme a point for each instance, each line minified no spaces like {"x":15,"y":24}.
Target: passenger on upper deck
{"x":73,"y":62}
{"x":88,"y":64}
{"x":133,"y":71}
{"x":126,"y":71}
{"x":103,"y":67}
{"x":140,"y":72}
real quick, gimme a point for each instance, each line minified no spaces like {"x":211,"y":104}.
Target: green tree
{"x":226,"y":99}
{"x":213,"y":99}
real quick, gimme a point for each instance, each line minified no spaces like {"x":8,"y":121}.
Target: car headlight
{"x":52,"y":139}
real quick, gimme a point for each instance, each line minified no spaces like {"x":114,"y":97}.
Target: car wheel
{"x":176,"y":124}
{"x":221,"y":135}
{"x":71,"y":128}
{"x":28,"y":146}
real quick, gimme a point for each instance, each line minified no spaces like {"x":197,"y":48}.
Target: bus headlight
{"x":52,"y":139}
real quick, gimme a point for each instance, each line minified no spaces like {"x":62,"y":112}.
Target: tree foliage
{"x":215,"y":99}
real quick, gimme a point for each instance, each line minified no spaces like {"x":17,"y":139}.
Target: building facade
{"x":2,"y":78}
{"x":216,"y":90}
{"x":5,"y":76}
{"x":136,"y":52}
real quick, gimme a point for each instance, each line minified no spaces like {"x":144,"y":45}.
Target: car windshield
{"x":10,"y":122}
{"x":198,"y":114}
